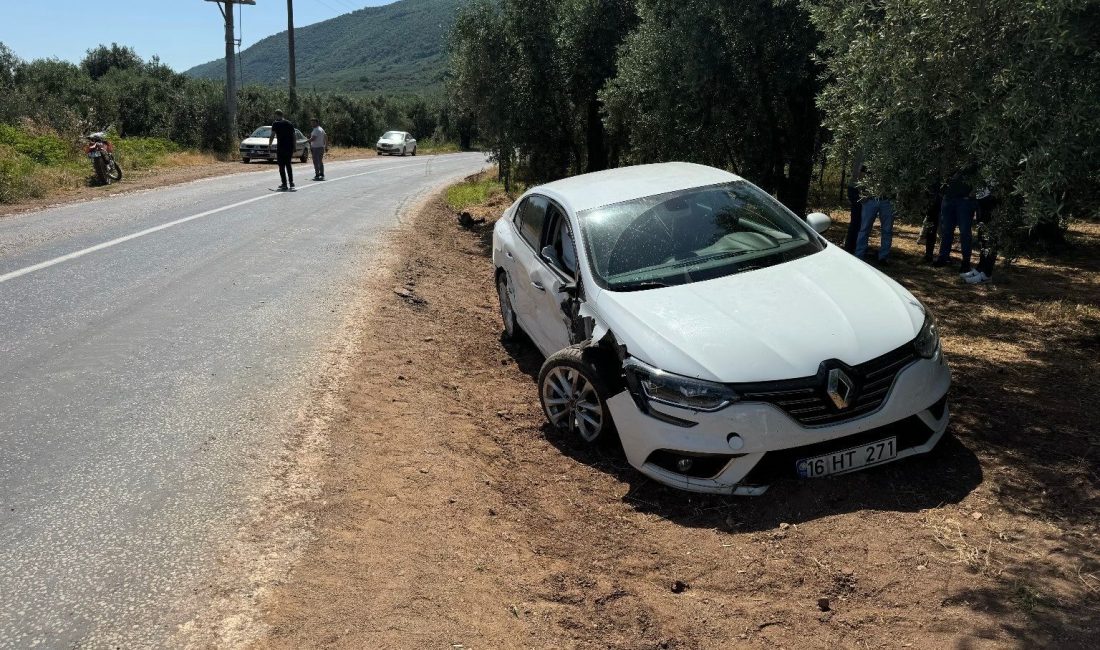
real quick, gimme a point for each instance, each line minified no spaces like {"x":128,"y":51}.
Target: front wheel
{"x":304,"y":157}
{"x":246,"y":160}
{"x":414,"y":151}
{"x":507,"y":312}
{"x":402,"y":152}
{"x":574,"y":397}
{"x":114,"y":172}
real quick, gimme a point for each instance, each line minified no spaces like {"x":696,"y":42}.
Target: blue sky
{"x":183,"y":33}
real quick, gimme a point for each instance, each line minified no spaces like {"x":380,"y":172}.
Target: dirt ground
{"x":449,"y":515}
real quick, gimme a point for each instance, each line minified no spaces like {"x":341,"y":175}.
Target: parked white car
{"x":725,"y":340}
{"x":256,"y":147}
{"x":396,"y":142}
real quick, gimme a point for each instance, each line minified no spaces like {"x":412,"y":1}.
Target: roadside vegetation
{"x":786,"y":92}
{"x":161,"y":118}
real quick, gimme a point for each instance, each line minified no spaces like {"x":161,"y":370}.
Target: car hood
{"x":389,"y":141}
{"x":255,"y":141}
{"x":770,"y":324}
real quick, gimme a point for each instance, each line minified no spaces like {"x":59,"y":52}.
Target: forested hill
{"x":396,"y":48}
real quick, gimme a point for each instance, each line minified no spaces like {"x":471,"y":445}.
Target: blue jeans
{"x":884,"y":209}
{"x":956,"y":213}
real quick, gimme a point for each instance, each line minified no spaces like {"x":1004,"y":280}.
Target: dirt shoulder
{"x":450,"y":515}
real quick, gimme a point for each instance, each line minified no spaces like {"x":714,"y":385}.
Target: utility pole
{"x":230,"y":70}
{"x":292,"y":76}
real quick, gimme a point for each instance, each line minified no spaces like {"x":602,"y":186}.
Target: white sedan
{"x":396,"y":142}
{"x":722,"y":338}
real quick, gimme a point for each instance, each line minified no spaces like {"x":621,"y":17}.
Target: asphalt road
{"x":150,"y":343}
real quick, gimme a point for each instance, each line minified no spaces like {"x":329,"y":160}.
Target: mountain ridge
{"x":397,"y":48}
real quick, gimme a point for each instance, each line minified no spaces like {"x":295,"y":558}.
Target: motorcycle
{"x":102,"y":154}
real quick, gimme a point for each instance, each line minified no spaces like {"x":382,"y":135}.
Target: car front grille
{"x":807,"y":399}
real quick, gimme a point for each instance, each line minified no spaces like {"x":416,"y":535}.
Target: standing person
{"x":883,"y":208}
{"x":318,"y":145}
{"x":987,"y":240}
{"x":283,"y":132}
{"x":957,"y":211}
{"x":933,"y":205}
{"x":855,"y":202}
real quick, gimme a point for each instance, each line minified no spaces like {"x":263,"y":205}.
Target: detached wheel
{"x":507,"y":312}
{"x":573,"y":396}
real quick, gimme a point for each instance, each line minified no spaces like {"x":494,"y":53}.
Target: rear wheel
{"x":574,"y":397}
{"x":101,"y":170}
{"x":507,"y":312}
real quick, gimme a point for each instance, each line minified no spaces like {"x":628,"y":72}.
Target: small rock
{"x":976,"y":516}
{"x":921,"y":567}
{"x":678,"y":586}
{"x":423,"y":470}
{"x":492,"y":513}
{"x":401,"y":377}
{"x":784,"y":526}
{"x":823,"y":604}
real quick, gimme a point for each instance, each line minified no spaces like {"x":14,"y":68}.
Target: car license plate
{"x":847,"y":460}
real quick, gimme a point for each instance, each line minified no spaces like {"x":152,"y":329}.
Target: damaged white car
{"x":722,"y":337}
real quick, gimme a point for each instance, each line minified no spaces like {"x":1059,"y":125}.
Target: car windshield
{"x":690,"y":236}
{"x":392,"y":135}
{"x":262,"y":132}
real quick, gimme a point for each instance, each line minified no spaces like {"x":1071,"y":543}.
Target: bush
{"x":17,"y":178}
{"x":144,"y":153}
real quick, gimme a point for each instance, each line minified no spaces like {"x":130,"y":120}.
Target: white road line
{"x":148,"y":231}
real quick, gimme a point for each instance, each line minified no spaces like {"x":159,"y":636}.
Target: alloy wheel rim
{"x":572,"y":403}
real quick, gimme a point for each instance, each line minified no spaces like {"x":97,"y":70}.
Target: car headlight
{"x":927,"y":343}
{"x":648,"y":384}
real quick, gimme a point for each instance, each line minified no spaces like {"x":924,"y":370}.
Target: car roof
{"x":587,"y":191}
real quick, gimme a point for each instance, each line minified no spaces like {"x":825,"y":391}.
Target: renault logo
{"x":840,"y":388}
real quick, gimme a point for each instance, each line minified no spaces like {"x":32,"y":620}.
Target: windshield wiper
{"x":639,"y":286}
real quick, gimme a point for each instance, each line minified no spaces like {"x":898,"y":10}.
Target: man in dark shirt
{"x":283,"y":131}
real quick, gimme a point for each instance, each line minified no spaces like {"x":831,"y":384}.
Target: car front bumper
{"x":769,"y":441}
{"x":258,"y":153}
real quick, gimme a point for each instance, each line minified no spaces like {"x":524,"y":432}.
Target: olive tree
{"x":925,"y":87}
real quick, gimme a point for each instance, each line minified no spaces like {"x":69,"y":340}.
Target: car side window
{"x":560,"y":238}
{"x":530,"y":218}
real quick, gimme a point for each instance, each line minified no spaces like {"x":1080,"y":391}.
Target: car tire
{"x":246,"y":160}
{"x":304,"y":157}
{"x":507,"y":311}
{"x":574,"y":397}
{"x":403,"y":152}
{"x":414,"y":151}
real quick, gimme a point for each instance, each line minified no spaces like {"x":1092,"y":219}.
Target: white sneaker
{"x":970,"y":273}
{"x":978,"y":278}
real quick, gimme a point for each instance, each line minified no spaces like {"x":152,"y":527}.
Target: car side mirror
{"x":819,"y":221}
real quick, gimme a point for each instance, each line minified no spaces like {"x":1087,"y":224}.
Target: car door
{"x":529,"y":222}
{"x":554,"y":280}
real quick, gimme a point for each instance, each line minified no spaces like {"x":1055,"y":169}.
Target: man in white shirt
{"x":318,"y":144}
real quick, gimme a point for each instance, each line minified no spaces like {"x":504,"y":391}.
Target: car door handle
{"x":538,"y":285}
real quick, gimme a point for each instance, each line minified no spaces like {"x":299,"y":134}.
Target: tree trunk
{"x":596,"y":149}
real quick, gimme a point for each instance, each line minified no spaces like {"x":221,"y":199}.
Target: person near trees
{"x":931,"y":228}
{"x":883,"y":208}
{"x":318,"y":145}
{"x":282,"y":131}
{"x":987,"y":239}
{"x":855,"y":202}
{"x":957,"y":211}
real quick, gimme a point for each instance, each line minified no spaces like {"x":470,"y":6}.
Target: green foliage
{"x":101,"y":60}
{"x":474,"y":192}
{"x":526,"y":74}
{"x":727,"y":84}
{"x":143,"y":153}
{"x":396,"y":48}
{"x":48,"y":149}
{"x":16,"y":176}
{"x":925,"y":87}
